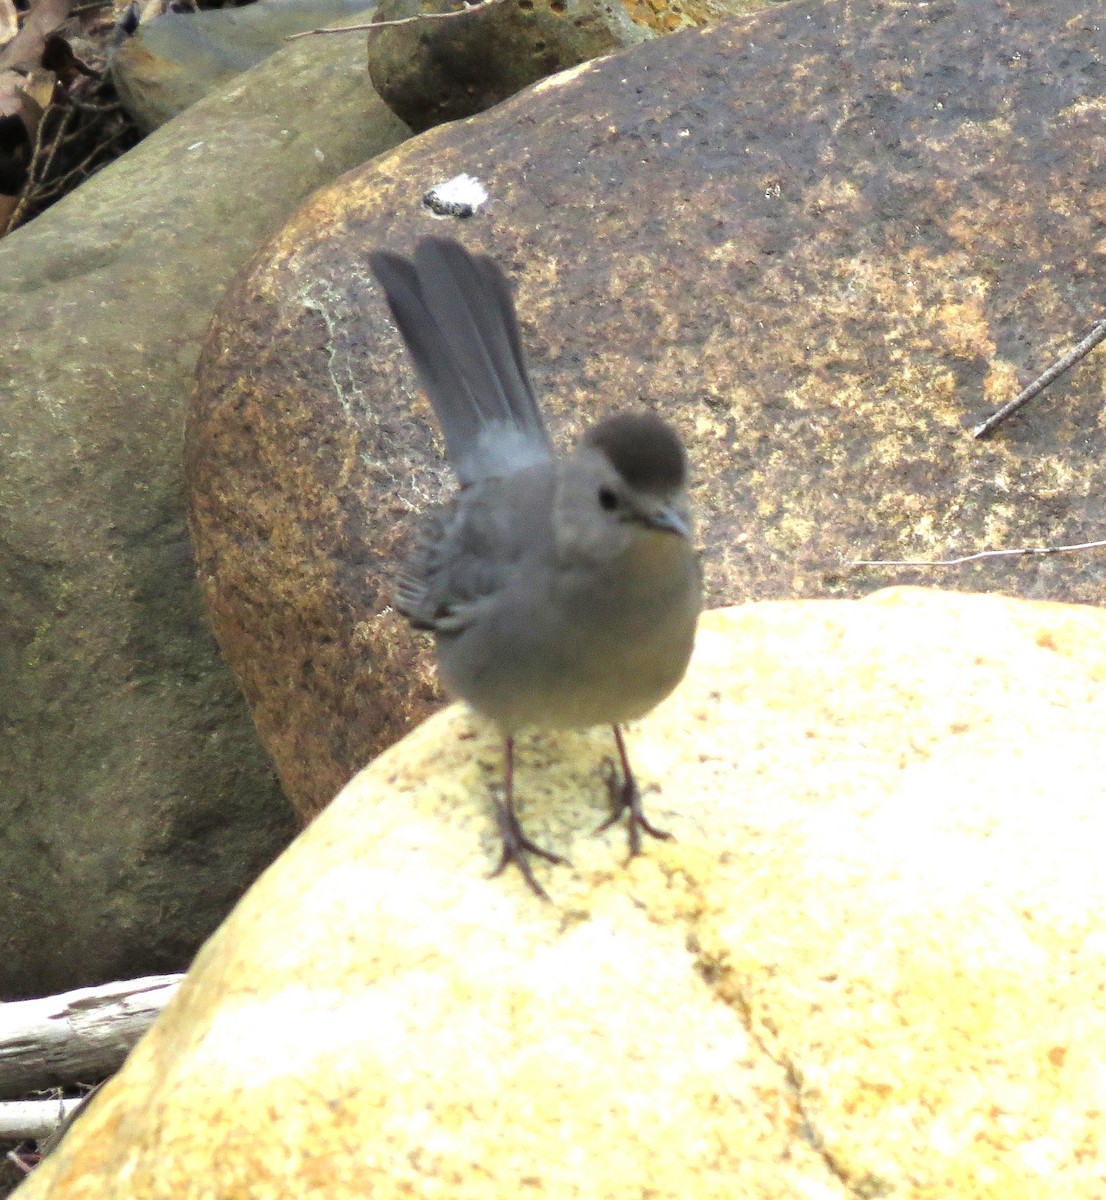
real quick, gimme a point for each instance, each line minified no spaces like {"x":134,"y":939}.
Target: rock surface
{"x":135,"y":799}
{"x":177,"y":58}
{"x":870,"y":965}
{"x":823,"y":239}
{"x":432,"y":71}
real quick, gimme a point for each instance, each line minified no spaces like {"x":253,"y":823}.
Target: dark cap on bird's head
{"x":643,"y":449}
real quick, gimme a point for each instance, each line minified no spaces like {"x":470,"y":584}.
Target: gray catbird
{"x":562,"y":592}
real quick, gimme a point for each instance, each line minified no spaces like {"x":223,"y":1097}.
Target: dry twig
{"x":967,"y":558}
{"x":78,"y":133}
{"x":460,"y":12}
{"x":1097,"y":334}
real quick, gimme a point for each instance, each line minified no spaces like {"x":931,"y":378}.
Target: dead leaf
{"x":37,"y":92}
{"x":9,"y":21}
{"x":24,"y":51}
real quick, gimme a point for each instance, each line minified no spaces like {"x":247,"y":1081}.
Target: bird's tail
{"x":455,"y":312}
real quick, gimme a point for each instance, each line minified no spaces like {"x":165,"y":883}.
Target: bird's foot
{"x":515,"y":846}
{"x":626,"y":797}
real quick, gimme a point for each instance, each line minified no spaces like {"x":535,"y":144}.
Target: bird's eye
{"x":608,"y":499}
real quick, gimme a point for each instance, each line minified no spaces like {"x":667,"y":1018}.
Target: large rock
{"x":430,"y":71}
{"x":176,"y":58}
{"x":823,"y":239}
{"x":433,"y":70}
{"x":871,"y":964}
{"x":135,"y":799}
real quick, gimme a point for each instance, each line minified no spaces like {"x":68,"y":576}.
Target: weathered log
{"x":76,"y":1037}
{"x":21,"y":1120}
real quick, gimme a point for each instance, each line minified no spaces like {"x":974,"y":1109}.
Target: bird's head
{"x":624,"y":486}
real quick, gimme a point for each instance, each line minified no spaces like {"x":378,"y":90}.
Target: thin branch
{"x":39,"y":166}
{"x":25,"y":192}
{"x":460,"y":12}
{"x":967,"y":558}
{"x":17,"y":1159}
{"x":23,"y":1119}
{"x":84,"y":106}
{"x":82,"y":170}
{"x":1097,"y":334}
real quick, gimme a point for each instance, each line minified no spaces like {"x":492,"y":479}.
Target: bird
{"x":562,"y":591}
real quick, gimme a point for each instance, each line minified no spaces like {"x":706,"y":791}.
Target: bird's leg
{"x":515,"y":844}
{"x":626,"y":795}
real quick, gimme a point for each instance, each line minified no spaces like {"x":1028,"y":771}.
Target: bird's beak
{"x":667,"y":520}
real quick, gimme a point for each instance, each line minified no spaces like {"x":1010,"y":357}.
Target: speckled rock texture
{"x":871,"y":964}
{"x":439,"y":70}
{"x":136,"y":801}
{"x":825,"y":240}
{"x":175,"y":58}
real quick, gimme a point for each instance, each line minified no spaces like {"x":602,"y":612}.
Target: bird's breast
{"x":577,"y":646}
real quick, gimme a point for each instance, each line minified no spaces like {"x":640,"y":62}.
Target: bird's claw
{"x":515,"y":846}
{"x":626,"y":796}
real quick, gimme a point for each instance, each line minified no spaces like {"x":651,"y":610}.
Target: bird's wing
{"x":471,"y":551}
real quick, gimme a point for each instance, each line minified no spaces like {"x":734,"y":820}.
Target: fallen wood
{"x":21,"y":1120}
{"x":1096,"y":335}
{"x":77,"y":1037}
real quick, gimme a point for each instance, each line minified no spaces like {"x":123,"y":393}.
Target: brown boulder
{"x":430,"y":71}
{"x":824,"y":239}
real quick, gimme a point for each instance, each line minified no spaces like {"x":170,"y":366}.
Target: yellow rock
{"x":871,"y":964}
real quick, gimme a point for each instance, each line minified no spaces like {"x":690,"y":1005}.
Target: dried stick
{"x":42,"y":158}
{"x":1097,"y":334}
{"x":18,"y":1160}
{"x":82,"y":169}
{"x":23,"y":1119}
{"x":83,"y":1035}
{"x":460,"y":12}
{"x":967,"y":558}
{"x":16,"y":214}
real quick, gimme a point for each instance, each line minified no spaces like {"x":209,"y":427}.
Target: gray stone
{"x":432,"y":71}
{"x":436,"y":70}
{"x":135,"y":800}
{"x":177,"y":58}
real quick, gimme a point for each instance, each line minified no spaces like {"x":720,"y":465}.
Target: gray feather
{"x":455,"y":312}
